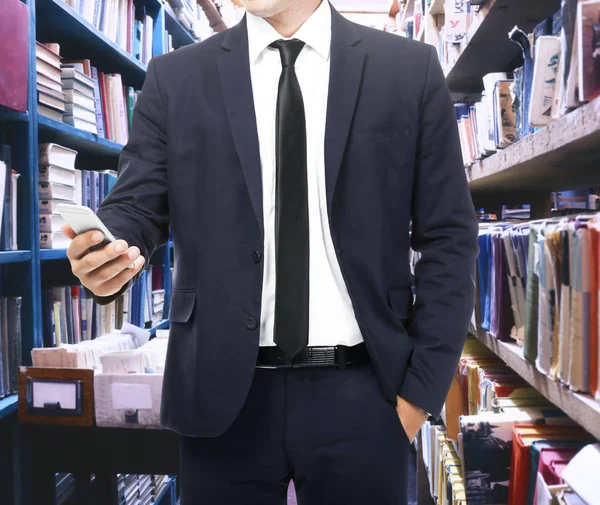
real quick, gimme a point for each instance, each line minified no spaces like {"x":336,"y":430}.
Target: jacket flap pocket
{"x":182,"y":306}
{"x":401,"y":302}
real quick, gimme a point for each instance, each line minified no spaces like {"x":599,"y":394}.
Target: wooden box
{"x":63,"y":396}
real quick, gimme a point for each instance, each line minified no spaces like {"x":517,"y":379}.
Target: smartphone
{"x":83,"y":219}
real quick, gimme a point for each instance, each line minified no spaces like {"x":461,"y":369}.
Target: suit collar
{"x":347,"y":63}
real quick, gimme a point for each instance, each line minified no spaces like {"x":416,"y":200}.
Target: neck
{"x":289,"y":21}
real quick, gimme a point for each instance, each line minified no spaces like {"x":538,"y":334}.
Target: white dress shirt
{"x":331,"y":316}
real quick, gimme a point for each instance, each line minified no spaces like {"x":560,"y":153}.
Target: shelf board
{"x":8,"y":405}
{"x":53,"y":254}
{"x":14,"y":256}
{"x":582,"y":408}
{"x":8,"y":115}
{"x":489,"y":49}
{"x":163,"y":325}
{"x":436,"y":7}
{"x":84,"y":142}
{"x":181,"y":35}
{"x":57,"y":22}
{"x":564,"y":155}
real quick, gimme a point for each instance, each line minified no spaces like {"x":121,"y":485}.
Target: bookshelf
{"x":489,"y":48}
{"x":26,"y":270}
{"x":582,"y":408}
{"x":537,"y":163}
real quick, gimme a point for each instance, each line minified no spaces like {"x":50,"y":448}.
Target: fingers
{"x":80,"y":244}
{"x":100,"y":287}
{"x":95,"y":260}
{"x":67,"y":231}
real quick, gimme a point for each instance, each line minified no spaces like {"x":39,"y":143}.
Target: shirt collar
{"x":315,"y":32}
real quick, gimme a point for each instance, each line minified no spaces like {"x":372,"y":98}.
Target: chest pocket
{"x":380,"y":132}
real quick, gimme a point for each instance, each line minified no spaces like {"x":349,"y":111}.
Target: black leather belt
{"x":340,"y":356}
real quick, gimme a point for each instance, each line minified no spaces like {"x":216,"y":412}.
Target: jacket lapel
{"x":347,"y":62}
{"x":236,"y":83}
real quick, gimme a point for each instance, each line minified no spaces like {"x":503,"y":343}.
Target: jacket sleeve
{"x":136,"y":210}
{"x":444,"y":232}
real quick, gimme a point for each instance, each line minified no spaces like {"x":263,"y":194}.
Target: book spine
{"x":5,"y":344}
{"x":83,"y":313}
{"x":3,"y":357}
{"x":105,"y":109}
{"x":14,"y":306}
{"x":98,"y":102}
{"x":5,"y":155}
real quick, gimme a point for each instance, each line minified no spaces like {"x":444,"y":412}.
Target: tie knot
{"x":289,"y":50}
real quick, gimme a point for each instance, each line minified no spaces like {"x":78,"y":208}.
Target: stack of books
{"x":158,"y":305}
{"x":58,"y":182}
{"x":80,"y":110}
{"x":51,"y":99}
{"x":10,"y":344}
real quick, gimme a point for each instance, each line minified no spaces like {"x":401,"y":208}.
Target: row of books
{"x":10,"y":344}
{"x":537,"y":284}
{"x":139,"y":489}
{"x":502,"y":440}
{"x":75,"y":93}
{"x":562,"y":74}
{"x":69,"y":316}
{"x":121,"y":21}
{"x":9,"y":178}
{"x":59,"y":181}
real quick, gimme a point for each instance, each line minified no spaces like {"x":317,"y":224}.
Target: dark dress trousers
{"x":392,"y":156}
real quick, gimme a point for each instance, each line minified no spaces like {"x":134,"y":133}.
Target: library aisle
{"x":521,"y":422}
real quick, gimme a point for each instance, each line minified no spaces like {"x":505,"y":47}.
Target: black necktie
{"x":291,"y":208}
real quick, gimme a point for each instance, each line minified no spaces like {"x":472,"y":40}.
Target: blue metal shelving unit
{"x":8,"y":405}
{"x":22,"y":272}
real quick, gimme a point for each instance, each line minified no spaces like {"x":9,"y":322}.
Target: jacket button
{"x":251,"y":323}
{"x":256,"y":256}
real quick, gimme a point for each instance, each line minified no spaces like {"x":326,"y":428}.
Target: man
{"x":290,"y":155}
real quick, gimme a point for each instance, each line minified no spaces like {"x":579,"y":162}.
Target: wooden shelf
{"x":84,"y":142}
{"x":14,"y":256}
{"x":8,"y":405}
{"x":582,"y":408}
{"x":80,"y":39}
{"x":436,"y":7}
{"x":489,"y":49}
{"x":564,"y":155}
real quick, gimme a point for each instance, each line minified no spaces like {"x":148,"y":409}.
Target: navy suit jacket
{"x":392,"y":158}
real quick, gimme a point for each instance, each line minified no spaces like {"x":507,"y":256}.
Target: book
{"x":51,"y":112}
{"x":588,"y":42}
{"x":73,"y":76}
{"x":52,"y":190}
{"x":14,"y":33}
{"x":81,"y":124}
{"x":545,"y":73}
{"x":14,"y":178}
{"x":81,"y":113}
{"x":50,"y":222}
{"x":76,"y":97}
{"x":98,"y":103}
{"x":57,"y":155}
{"x":51,"y":102}
{"x":504,"y":115}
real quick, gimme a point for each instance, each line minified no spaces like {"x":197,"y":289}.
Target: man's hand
{"x":411,"y":417}
{"x":103,"y":271}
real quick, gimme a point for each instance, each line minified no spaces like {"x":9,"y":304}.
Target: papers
{"x":142,"y":336}
{"x":581,"y":474}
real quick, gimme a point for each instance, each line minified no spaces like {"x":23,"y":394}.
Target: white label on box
{"x":131,"y":396}
{"x":63,"y":393}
